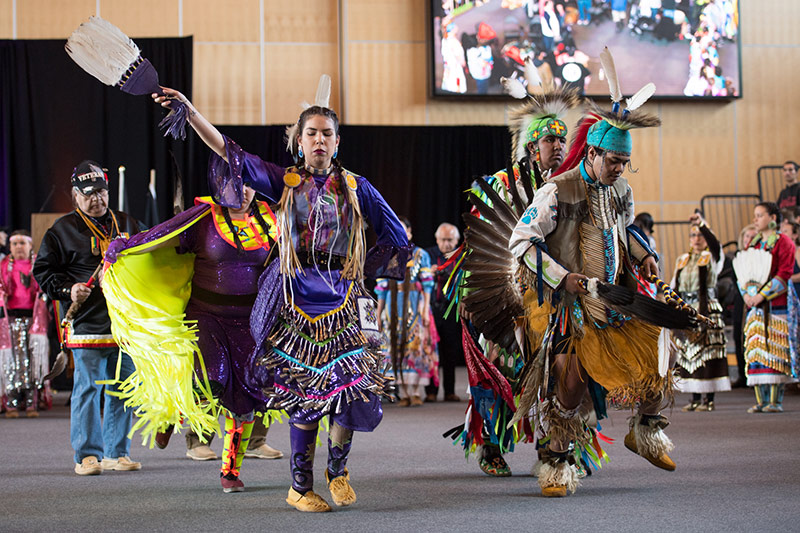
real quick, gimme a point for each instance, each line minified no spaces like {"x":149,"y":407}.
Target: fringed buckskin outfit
{"x":701,"y":355}
{"x":576,"y":224}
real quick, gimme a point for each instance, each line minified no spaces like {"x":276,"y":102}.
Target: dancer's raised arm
{"x":205,"y":129}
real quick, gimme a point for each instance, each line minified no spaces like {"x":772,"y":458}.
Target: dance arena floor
{"x":736,"y":472}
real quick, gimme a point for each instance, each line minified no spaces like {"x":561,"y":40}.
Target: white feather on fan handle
{"x":642,"y":95}
{"x":752,"y":266}
{"x":514,"y":87}
{"x":607,"y":61}
{"x":102,"y":50}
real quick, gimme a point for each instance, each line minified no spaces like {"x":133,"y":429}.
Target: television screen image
{"x":687,"y":48}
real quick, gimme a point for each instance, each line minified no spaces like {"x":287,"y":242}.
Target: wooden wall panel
{"x":227,"y":82}
{"x":6,"y":19}
{"x":386,"y":84}
{"x":770,"y":22}
{"x":48,"y":19}
{"x":768,"y":117}
{"x":386,"y":20}
{"x":678,"y":211}
{"x":302,"y":64}
{"x":698,"y":139}
{"x":309,"y":21}
{"x":646,"y":159}
{"x":236,"y":21}
{"x":143,"y":18}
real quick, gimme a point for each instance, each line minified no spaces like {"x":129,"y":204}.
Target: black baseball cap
{"x":89,"y":176}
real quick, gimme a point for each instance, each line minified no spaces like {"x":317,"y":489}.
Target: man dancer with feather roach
{"x":538,"y":134}
{"x":573,"y":241}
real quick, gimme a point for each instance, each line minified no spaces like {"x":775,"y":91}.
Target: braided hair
{"x":256,"y":213}
{"x":227,"y":215}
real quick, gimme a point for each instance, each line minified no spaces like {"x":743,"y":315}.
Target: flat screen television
{"x":690,"y":49}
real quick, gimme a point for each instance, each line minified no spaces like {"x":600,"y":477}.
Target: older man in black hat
{"x":71,"y":252}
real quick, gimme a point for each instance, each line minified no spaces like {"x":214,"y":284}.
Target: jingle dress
{"x":701,"y":355}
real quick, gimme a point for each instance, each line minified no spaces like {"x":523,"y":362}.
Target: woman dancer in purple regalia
{"x":227,"y":248}
{"x":314,"y":324}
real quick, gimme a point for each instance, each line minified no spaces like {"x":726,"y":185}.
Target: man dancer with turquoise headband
{"x":578,"y":227}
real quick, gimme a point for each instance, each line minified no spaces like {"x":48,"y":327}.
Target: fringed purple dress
{"x":316,"y":334}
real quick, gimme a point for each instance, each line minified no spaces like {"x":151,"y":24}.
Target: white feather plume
{"x":102,"y":50}
{"x":532,"y":74}
{"x":611,"y":75}
{"x":752,"y":267}
{"x":323,"y":97}
{"x":642,"y":95}
{"x":514,"y":87}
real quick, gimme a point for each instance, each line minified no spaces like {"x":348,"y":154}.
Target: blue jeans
{"x":87,"y":435}
{"x":583,"y":9}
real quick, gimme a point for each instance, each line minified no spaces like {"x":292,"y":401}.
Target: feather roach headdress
{"x":543,"y":112}
{"x":102,"y":50}
{"x":611,"y":131}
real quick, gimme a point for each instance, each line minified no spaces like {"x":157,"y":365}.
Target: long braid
{"x":226,"y":214}
{"x":256,"y":212}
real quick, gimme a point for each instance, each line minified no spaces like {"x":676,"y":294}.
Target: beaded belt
{"x":321,"y":259}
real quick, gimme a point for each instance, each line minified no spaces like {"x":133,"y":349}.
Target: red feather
{"x":578,"y":145}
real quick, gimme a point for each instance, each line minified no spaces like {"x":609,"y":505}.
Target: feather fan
{"x":632,"y":303}
{"x":105,"y":52}
{"x":752,"y":267}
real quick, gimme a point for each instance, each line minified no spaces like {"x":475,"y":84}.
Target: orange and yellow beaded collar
{"x":250,"y":233}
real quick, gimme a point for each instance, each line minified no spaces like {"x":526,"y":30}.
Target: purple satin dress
{"x":221,"y":271}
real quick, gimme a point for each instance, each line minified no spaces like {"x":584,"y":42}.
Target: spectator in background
{"x":404,"y":313}
{"x":701,"y":356}
{"x":3,"y":242}
{"x":572,"y":70}
{"x":551,"y":29}
{"x":619,"y":10}
{"x":745,"y":236}
{"x":453,"y":78}
{"x":451,"y":351}
{"x":770,"y":366}
{"x":644,"y":221}
{"x":790,"y":195}
{"x":71,"y":251}
{"x":479,"y":58}
{"x":584,"y":12}
{"x":25,"y":362}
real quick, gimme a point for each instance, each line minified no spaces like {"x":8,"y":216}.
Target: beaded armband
{"x":773,"y":288}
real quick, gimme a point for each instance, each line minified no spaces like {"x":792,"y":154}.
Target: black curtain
{"x":422,"y":171}
{"x":53,"y":115}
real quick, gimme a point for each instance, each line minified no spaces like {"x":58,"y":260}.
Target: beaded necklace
{"x":101,"y":239}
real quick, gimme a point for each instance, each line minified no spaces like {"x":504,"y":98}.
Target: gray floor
{"x":736,"y":472}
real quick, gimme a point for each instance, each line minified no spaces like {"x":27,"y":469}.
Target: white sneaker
{"x":201,"y":453}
